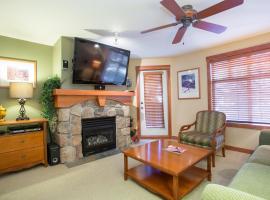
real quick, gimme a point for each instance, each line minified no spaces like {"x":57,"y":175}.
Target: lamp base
{"x":22,"y":111}
{"x":19,"y":118}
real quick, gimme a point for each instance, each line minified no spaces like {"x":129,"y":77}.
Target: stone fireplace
{"x":69,"y":128}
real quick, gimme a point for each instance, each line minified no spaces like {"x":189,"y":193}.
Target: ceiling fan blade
{"x":207,"y":26}
{"x":220,"y":7}
{"x":179,"y":35}
{"x":160,"y":27}
{"x":174,"y":8}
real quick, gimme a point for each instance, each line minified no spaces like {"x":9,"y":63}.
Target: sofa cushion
{"x":261,"y":155}
{"x":218,"y":192}
{"x":200,"y":139}
{"x":253,"y":178}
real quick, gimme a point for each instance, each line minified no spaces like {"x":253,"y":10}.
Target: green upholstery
{"x":207,"y":122}
{"x":200,"y":139}
{"x":264,"y":137}
{"x":218,"y":192}
{"x":253,"y":178}
{"x":261,"y":155}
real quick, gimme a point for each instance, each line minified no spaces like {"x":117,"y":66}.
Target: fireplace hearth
{"x":98,"y":135}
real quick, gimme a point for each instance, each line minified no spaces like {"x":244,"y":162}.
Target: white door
{"x":153,"y":103}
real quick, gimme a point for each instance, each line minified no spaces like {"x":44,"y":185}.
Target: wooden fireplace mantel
{"x":64,"y":98}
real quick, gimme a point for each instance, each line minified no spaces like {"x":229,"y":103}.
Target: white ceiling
{"x":45,"y":21}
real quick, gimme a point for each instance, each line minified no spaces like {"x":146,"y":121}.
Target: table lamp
{"x":21,"y":91}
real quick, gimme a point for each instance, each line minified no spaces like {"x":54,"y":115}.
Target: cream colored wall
{"x":183,"y":111}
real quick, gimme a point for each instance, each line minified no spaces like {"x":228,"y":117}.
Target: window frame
{"x":229,"y":55}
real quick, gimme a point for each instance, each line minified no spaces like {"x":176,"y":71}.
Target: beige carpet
{"x":98,"y":180}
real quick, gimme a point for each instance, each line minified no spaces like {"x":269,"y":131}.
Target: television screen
{"x":96,"y":63}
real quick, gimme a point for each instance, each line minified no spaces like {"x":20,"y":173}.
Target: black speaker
{"x":53,"y":154}
{"x":65,"y":64}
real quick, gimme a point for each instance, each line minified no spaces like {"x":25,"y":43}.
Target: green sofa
{"x":252,"y":182}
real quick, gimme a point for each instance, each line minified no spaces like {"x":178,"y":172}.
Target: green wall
{"x":57,"y":58}
{"x":14,"y":48}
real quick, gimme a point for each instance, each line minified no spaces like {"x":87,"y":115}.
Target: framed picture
{"x":189,"y":84}
{"x":17,"y":70}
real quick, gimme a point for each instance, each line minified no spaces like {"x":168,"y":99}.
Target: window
{"x":239,"y":85}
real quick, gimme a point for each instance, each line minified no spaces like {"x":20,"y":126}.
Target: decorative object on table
{"x":47,"y":102}
{"x":3,"y":113}
{"x":189,"y":84}
{"x":21,"y":91}
{"x":17,"y":70}
{"x":133,"y":132}
{"x":175,"y":149}
{"x":134,"y":136}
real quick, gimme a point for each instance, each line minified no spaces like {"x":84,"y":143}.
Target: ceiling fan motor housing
{"x":190,"y":15}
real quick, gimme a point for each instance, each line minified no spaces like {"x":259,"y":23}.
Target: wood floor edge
{"x":238,"y":149}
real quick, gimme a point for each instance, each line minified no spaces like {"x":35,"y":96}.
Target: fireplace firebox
{"x":98,"y":135}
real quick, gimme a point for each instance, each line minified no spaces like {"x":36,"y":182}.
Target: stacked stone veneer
{"x":69,"y":128}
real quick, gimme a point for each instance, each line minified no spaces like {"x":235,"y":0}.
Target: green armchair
{"x":209,"y":132}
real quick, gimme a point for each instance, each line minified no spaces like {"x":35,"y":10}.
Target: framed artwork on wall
{"x":17,"y":70}
{"x":188,"y":82}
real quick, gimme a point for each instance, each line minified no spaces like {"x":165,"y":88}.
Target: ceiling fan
{"x":187,"y":16}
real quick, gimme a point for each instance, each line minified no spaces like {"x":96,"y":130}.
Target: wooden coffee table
{"x":167,"y":174}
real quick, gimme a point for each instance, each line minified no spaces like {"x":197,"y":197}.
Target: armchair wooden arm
{"x":186,"y":127}
{"x":219,"y":131}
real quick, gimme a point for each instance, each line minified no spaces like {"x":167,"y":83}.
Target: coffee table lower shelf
{"x":161,"y":183}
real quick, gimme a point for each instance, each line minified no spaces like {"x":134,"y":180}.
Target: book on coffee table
{"x":175,"y":149}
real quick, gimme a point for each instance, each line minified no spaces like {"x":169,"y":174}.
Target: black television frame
{"x":101,"y":44}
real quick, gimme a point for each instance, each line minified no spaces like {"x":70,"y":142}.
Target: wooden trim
{"x":74,"y":92}
{"x":155,"y":67}
{"x":209,"y":85}
{"x":237,"y":53}
{"x":66,"y":98}
{"x":138,"y":103}
{"x":149,"y":68}
{"x":238,"y":149}
{"x":23,"y":60}
{"x":155,"y":137}
{"x":199,"y":82}
{"x":248,"y":126}
{"x":20,"y":122}
{"x":174,"y":137}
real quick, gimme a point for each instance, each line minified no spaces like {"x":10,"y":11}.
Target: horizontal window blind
{"x":153,"y":100}
{"x":240,"y":87}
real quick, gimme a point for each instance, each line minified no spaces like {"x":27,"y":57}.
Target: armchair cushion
{"x":209,"y":121}
{"x":200,"y":139}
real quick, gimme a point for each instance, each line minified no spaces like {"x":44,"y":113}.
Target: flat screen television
{"x":100,"y":64}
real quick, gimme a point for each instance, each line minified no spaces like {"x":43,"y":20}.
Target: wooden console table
{"x":23,"y":150}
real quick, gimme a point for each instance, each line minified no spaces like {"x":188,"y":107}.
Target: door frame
{"x":166,"y":68}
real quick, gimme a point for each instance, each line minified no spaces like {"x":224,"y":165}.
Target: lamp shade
{"x":21,"y":90}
